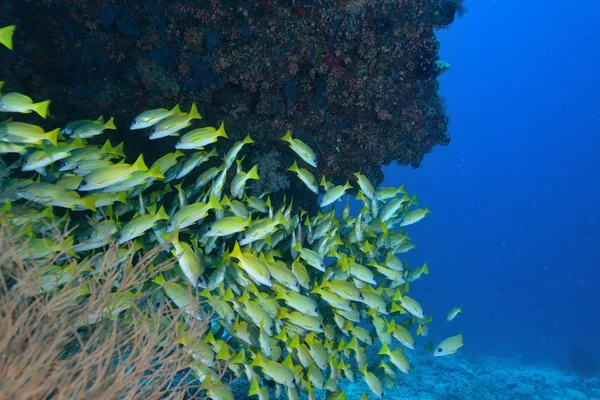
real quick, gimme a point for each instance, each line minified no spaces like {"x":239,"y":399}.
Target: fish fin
{"x":253,"y":173}
{"x":42,"y":108}
{"x":287,"y":137}
{"x":155,"y":172}
{"x":118,"y":150}
{"x":294,"y":167}
{"x":385,"y":349}
{"x":139,"y":164}
{"x":159,"y":280}
{"x":214,"y":202}
{"x":221,"y":131}
{"x":52,"y":136}
{"x":122,"y":197}
{"x":151,"y":210}
{"x":254,"y":387}
{"x":162,"y":214}
{"x":6,"y":36}
{"x":89,"y":202}
{"x":194,"y":114}
{"x":237,"y":251}
{"x":176,"y":110}
{"x":110,"y":124}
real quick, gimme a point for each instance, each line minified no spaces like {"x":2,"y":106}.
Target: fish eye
{"x":84,"y":182}
{"x":440,"y":350}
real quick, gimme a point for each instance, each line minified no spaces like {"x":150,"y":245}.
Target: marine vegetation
{"x":220,"y":283}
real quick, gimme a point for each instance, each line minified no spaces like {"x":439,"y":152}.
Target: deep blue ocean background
{"x":515,"y":225}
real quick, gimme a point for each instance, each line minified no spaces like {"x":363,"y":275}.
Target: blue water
{"x":515,"y":222}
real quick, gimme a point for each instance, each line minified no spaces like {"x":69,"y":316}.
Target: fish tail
{"x":176,"y":109}
{"x":118,"y":150}
{"x":237,"y":251}
{"x":52,"y":136}
{"x":78,"y":143}
{"x":221,"y":131}
{"x":155,"y":172}
{"x":6,"y":36}
{"x":294,"y":167}
{"x":139,"y":164}
{"x":258,"y":360}
{"x":122,"y":197}
{"x":110,"y":124}
{"x":253,"y":173}
{"x":89,"y":202}
{"x":42,"y":108}
{"x":287,"y":137}
{"x":162,"y":214}
{"x":248,"y":140}
{"x":194,"y":114}
{"x":254,"y":388}
{"x":159,"y":280}
{"x":385,"y":349}
{"x":214,"y":202}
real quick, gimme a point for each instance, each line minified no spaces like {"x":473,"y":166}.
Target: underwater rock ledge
{"x":357,"y":81}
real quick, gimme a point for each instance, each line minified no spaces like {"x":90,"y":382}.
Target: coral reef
{"x":356,"y":80}
{"x":282,"y":296}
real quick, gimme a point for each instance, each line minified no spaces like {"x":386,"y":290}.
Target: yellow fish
{"x":301,"y":148}
{"x":449,"y":346}
{"x":104,"y":177}
{"x":453,"y":313}
{"x":17,"y":102}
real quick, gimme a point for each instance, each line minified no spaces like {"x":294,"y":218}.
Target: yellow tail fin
{"x":110,"y":124}
{"x":52,"y":136}
{"x":194,"y":114}
{"x":41,"y":108}
{"x":221,"y":131}
{"x":89,"y":202}
{"x":6,"y":36}
{"x":287,"y":137}
{"x":139,"y":164}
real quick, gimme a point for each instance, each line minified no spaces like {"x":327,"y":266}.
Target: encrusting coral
{"x":357,"y":80}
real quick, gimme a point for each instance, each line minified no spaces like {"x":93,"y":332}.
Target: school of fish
{"x":294,"y":299}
